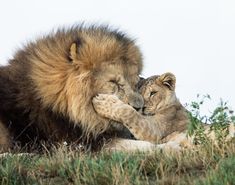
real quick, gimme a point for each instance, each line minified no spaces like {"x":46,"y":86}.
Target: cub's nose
{"x":143,"y":109}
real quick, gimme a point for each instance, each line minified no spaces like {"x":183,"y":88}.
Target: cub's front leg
{"x":110,"y":106}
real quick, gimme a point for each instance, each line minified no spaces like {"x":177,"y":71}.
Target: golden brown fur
{"x":5,"y":139}
{"x":46,"y":89}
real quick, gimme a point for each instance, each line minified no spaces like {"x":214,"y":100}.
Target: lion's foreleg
{"x":5,"y":139}
{"x":128,"y":145}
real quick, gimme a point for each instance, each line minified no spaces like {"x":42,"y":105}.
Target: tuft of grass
{"x":222,"y":174}
{"x":219,"y":120}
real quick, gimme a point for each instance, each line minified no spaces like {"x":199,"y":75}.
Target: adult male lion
{"x":47,"y":88}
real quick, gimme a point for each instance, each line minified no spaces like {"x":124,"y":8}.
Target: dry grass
{"x":207,"y":164}
{"x":204,"y":165}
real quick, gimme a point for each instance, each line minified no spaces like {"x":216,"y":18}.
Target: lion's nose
{"x":138,"y":102}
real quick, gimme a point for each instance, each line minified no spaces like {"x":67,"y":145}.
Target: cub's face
{"x":158,"y":92}
{"x":113,"y":79}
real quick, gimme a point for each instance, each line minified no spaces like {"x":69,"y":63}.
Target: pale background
{"x":193,"y":39}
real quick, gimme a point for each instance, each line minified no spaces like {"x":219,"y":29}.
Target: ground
{"x":207,"y":164}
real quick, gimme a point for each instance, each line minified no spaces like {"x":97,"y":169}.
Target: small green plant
{"x":221,"y":117}
{"x":219,"y":120}
{"x":196,"y":126}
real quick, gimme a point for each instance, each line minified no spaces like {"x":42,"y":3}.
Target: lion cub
{"x":162,"y":115}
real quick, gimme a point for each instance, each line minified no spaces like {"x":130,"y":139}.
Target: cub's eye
{"x":153,"y":93}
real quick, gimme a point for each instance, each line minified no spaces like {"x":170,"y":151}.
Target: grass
{"x":208,"y":164}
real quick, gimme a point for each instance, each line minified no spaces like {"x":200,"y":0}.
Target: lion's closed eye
{"x":119,"y":85}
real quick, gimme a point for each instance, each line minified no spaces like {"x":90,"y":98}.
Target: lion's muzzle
{"x":135,"y":100}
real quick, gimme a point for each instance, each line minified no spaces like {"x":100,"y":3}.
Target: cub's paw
{"x":105,"y":98}
{"x":106,"y":104}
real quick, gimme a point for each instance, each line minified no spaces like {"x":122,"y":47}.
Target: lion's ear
{"x":73,"y":52}
{"x":169,"y":80}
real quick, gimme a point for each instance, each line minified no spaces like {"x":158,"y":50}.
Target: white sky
{"x":194,"y":39}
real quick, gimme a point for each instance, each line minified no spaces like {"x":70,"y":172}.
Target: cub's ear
{"x":73,"y":52}
{"x":169,"y":80}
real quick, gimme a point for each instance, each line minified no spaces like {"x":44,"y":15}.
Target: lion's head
{"x":158,"y":92}
{"x":72,"y":66}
